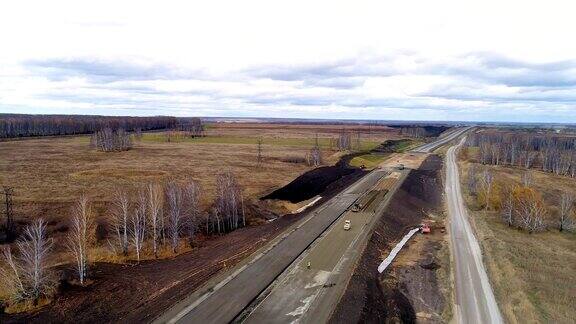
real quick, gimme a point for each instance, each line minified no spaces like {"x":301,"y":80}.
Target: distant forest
{"x":16,"y":125}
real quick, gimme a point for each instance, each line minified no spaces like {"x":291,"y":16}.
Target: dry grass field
{"x":533,"y":275}
{"x":48,"y":174}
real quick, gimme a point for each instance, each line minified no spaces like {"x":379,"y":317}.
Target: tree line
{"x":16,"y":125}
{"x":549,"y":153}
{"x":148,"y":218}
{"x":108,"y":140}
{"x":520,"y":204}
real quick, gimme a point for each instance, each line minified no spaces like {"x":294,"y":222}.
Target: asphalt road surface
{"x":311,"y":287}
{"x":227,"y":301}
{"x":475,"y":302}
{"x":427,"y":148}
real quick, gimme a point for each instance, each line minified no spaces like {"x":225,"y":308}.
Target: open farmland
{"x":49,"y":174}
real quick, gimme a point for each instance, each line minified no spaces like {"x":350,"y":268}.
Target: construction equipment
{"x":365,"y":200}
{"x":347,"y":224}
{"x":424,"y":228}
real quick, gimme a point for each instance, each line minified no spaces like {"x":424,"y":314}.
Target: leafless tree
{"x":508,"y":206}
{"x":472,"y":179}
{"x":138,"y":224}
{"x":229,"y":202}
{"x":138,"y":133}
{"x":344,"y":141}
{"x":155,"y":203}
{"x":20,"y":125}
{"x":566,"y":211}
{"x":108,"y":140}
{"x":314,"y":157}
{"x":9,"y":226}
{"x":34,"y":250}
{"x":80,"y":236}
{"x":175,"y":200}
{"x":192,"y":126}
{"x":486,"y":181}
{"x":192,"y":207}
{"x":416,"y":132}
{"x":120,"y":218}
{"x":527,"y":178}
{"x":12,"y":277}
{"x":28,"y":276}
{"x":259,"y":143}
{"x":530,"y":211}
{"x":552,"y":153}
{"x":358,"y":142}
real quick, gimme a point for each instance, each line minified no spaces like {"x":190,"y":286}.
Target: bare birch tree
{"x":12,"y":277}
{"x":508,"y":206}
{"x":527,"y":178}
{"x":155,"y":204}
{"x":566,"y":212}
{"x":34,"y":250}
{"x":120,"y":218}
{"x":174,"y":197}
{"x":472,"y":179}
{"x":530,"y":209}
{"x":229,"y":202}
{"x":28,"y":276}
{"x":138,"y":224}
{"x":486,"y":181}
{"x":192,"y":207}
{"x":80,"y":236}
{"x":314,"y":157}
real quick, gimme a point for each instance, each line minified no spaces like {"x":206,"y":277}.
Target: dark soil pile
{"x":320,"y":181}
{"x":380,"y":298}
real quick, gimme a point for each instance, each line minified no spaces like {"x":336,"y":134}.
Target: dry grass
{"x":369,"y":161}
{"x":49,"y":174}
{"x":533,"y":275}
{"x":27,"y":306}
{"x":59,"y":169}
{"x":106,"y":253}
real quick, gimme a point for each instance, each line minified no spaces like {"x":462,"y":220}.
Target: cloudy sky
{"x":487,"y":60}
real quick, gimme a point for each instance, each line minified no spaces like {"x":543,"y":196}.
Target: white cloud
{"x":448,"y":59}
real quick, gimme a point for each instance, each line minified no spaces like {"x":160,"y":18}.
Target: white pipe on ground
{"x":396,"y":249}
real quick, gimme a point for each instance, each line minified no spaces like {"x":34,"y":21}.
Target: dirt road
{"x":475,"y":302}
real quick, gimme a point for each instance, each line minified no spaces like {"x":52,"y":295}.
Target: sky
{"x":462,"y":60}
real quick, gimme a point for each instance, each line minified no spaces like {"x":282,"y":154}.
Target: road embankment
{"x":374,"y":297}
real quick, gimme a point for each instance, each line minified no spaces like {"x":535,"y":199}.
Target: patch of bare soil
{"x":403,"y":292}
